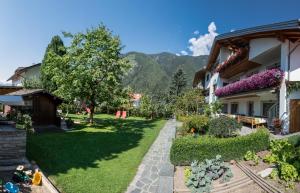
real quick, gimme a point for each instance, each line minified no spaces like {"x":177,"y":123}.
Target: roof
{"x":27,"y":92}
{"x":20,"y":70}
{"x":281,"y":30}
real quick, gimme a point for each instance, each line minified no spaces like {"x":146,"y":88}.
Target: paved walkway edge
{"x":156,"y":173}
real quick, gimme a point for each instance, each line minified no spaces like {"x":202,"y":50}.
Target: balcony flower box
{"x":266,"y":79}
{"x":239,"y":55}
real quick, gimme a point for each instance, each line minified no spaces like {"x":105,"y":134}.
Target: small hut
{"x":40,"y":104}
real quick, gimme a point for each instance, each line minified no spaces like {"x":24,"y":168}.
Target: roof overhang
{"x":283,"y":30}
{"x":12,"y":100}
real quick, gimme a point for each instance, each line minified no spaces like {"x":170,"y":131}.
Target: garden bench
{"x":253,"y":121}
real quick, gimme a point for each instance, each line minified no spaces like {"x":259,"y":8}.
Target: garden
{"x":211,"y":156}
{"x":102,"y":157}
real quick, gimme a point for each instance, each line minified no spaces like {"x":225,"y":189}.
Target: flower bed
{"x":265,"y":79}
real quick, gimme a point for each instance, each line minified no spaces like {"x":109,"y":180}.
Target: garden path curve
{"x":155,"y":173}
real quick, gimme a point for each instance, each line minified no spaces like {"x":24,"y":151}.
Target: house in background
{"x":253,"y":72}
{"x":21,"y":73}
{"x":136,"y":99}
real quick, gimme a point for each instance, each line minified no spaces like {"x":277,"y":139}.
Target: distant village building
{"x":136,"y":100}
{"x":21,"y":73}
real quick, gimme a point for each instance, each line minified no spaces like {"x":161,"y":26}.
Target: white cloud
{"x":177,"y":54}
{"x":196,"y":32}
{"x":184,"y":53}
{"x":202,"y":44}
{"x":232,"y":30}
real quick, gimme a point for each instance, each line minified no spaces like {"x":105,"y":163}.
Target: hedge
{"x":294,"y":140}
{"x":186,"y":149}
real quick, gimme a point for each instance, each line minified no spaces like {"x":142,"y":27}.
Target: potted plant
{"x":277,"y":125}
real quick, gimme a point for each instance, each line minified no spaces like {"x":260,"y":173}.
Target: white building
{"x":21,"y":73}
{"x":243,"y":72}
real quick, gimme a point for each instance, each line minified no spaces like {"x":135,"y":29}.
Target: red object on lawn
{"x":88,"y":110}
{"x":118,"y":114}
{"x":123,"y":114}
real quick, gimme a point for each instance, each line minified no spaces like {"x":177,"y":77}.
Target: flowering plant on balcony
{"x":240,"y":54}
{"x":265,"y":79}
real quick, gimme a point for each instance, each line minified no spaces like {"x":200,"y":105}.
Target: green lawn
{"x":100,"y":158}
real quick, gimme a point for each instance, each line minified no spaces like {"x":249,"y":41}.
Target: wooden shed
{"x":41,"y":105}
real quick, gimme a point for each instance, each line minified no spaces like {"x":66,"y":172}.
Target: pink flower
{"x":262,"y":80}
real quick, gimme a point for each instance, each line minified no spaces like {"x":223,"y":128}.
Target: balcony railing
{"x":266,"y":79}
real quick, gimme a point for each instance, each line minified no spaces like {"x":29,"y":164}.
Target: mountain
{"x":153,"y":72}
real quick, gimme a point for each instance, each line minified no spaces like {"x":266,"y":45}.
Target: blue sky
{"x":151,"y":26}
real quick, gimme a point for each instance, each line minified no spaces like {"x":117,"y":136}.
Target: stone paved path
{"x":155,"y":174}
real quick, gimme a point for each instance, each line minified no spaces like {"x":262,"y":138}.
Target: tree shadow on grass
{"x":59,"y":152}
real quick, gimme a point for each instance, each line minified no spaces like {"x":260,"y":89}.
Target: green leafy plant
{"x":274,"y":174}
{"x":198,"y":122}
{"x":223,"y":127}
{"x":288,"y":172}
{"x":270,"y":158}
{"x":203,"y":173}
{"x":250,"y":155}
{"x":27,"y":122}
{"x":187,"y":173}
{"x":283,"y":150}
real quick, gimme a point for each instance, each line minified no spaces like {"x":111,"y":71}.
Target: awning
{"x":12,"y":100}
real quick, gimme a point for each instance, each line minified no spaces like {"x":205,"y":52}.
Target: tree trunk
{"x":92,"y":113}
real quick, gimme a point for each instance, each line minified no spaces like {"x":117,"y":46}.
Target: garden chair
{"x":118,"y":114}
{"x":124,"y":113}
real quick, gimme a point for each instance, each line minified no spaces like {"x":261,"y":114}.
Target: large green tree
{"x":178,"y":83}
{"x":52,"y":63}
{"x":93,"y":67}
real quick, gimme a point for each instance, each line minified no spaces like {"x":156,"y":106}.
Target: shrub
{"x":186,"y":149}
{"x":204,"y":173}
{"x":223,"y":126}
{"x":294,"y":140}
{"x":198,"y":122}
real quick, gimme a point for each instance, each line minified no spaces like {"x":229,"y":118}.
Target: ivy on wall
{"x":293,"y":86}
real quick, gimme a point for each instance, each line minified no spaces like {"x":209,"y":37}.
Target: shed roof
{"x":27,"y":92}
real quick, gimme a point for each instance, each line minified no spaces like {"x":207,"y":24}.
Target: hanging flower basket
{"x":266,"y":79}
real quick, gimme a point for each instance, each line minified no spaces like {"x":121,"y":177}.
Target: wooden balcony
{"x":242,"y":66}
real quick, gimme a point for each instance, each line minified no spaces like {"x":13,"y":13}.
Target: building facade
{"x":22,"y":73}
{"x":254,"y":72}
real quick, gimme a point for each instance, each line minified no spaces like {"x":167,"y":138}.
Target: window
{"x":225,"y":108}
{"x":234,"y":108}
{"x":266,"y":107}
{"x":250,"y":108}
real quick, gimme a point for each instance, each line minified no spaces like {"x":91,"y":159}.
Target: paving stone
{"x":136,"y":191}
{"x":167,"y":170}
{"x":165,"y":184}
{"x":139,"y":184}
{"x":155,"y":174}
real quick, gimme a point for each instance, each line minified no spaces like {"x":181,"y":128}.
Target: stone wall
{"x":12,"y":147}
